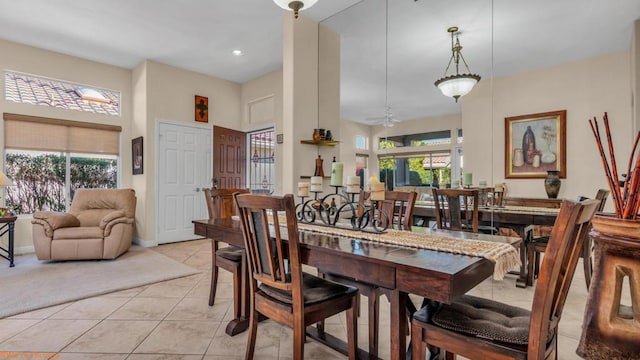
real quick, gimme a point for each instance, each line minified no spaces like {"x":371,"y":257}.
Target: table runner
{"x":530,"y":209}
{"x":504,"y":256}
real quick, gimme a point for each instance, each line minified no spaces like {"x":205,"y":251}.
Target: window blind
{"x":23,"y":132}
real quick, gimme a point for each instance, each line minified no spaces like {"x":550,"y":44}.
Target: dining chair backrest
{"x":494,"y":197}
{"x":397,"y":205}
{"x":602,"y":195}
{"x":266,"y":251}
{"x":558,"y":267}
{"x":476,"y":327}
{"x":220,"y":203}
{"x":456,"y":209}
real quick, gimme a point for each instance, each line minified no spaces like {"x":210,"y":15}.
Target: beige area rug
{"x":34,"y":284}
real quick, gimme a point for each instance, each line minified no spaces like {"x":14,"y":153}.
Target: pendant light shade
{"x":459,"y":84}
{"x":295,"y":5}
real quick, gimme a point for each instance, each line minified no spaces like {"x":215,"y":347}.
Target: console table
{"x":6,"y":226}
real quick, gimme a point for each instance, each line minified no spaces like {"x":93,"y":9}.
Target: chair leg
{"x":214,"y":273}
{"x":253,"y":330}
{"x":418,"y":347}
{"x":237,"y":293}
{"x":299,"y":337}
{"x":352,"y":330}
{"x":530,"y":260}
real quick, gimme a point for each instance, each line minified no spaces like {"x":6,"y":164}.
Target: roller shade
{"x":24,"y":132}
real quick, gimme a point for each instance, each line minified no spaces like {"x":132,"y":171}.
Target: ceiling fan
{"x":387,"y":120}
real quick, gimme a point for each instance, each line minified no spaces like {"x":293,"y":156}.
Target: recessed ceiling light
{"x":237,"y":52}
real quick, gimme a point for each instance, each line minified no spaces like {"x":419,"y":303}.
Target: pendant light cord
{"x":386,"y":65}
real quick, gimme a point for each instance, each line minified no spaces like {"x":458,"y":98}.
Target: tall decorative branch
{"x":626,"y":201}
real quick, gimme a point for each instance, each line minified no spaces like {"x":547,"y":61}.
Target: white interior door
{"x":184,"y":169}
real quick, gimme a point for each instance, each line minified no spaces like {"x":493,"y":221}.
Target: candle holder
{"x":372,"y":220}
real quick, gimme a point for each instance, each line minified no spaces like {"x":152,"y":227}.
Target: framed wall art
{"x":136,"y":154}
{"x":535,"y":144}
{"x":202,"y":108}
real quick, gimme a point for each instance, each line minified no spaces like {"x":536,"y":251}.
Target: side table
{"x":6,"y":225}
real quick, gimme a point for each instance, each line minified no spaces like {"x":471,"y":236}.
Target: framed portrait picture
{"x":534,"y":144}
{"x":202,"y":108}
{"x":136,"y":154}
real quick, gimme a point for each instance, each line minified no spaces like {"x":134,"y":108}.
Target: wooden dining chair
{"x":287,"y":295}
{"x":398,"y":205}
{"x":479,"y":328}
{"x":538,"y":245}
{"x":220,"y":205}
{"x":456,"y":209}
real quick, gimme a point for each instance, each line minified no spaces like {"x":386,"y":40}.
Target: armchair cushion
{"x":52,"y":220}
{"x":85,"y":232}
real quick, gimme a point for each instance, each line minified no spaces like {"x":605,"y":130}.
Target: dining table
{"x":398,"y":269}
{"x":518,"y":215}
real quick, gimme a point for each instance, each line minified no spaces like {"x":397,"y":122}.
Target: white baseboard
{"x":21,"y":250}
{"x":145,"y":243}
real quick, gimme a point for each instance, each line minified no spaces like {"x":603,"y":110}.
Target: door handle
{"x":197,"y":189}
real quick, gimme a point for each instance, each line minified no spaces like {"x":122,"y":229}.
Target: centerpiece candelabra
{"x":339,"y":209}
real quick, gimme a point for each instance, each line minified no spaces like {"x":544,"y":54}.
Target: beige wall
{"x":635,"y":75}
{"x":150,"y":92}
{"x":348,"y":132}
{"x":169,"y":95}
{"x":267,"y":88}
{"x":155,"y":91}
{"x":585,"y":89}
{"x":22,"y":58}
{"x":302,"y":109}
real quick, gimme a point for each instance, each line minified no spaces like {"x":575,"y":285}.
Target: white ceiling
{"x":200,"y":35}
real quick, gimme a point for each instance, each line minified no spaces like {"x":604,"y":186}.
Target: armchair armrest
{"x":113,"y":218}
{"x":52,"y":220}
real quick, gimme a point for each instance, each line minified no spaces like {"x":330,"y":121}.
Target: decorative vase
{"x":316,"y":134}
{"x":552,"y":183}
{"x":528,"y":145}
{"x":319,"y":171}
{"x":610,"y":328}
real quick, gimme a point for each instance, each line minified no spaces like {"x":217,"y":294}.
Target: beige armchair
{"x":99,"y":225}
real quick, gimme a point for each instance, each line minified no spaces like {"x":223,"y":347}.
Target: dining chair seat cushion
{"x":314,"y":289}
{"x":232,"y":253}
{"x":483,"y":318}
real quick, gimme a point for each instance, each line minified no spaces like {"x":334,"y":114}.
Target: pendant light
{"x":295,"y":5}
{"x":459,"y":84}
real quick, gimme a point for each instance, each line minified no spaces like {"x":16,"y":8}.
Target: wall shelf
{"x":320,"y":142}
{"x":309,"y":177}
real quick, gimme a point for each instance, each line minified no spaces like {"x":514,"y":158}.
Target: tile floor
{"x":172,"y":320}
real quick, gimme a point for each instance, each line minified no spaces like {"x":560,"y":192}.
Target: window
{"x":29,"y":89}
{"x":430,"y":169}
{"x":361,"y":142}
{"x":442,"y":137}
{"x":262,"y":170}
{"x":47,"y":169}
{"x":43,"y":179}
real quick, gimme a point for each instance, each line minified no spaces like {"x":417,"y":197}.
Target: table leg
{"x":11,"y":249}
{"x":522,"y":278}
{"x":398,"y":300}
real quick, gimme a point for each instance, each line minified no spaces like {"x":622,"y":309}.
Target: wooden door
{"x":229,"y":158}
